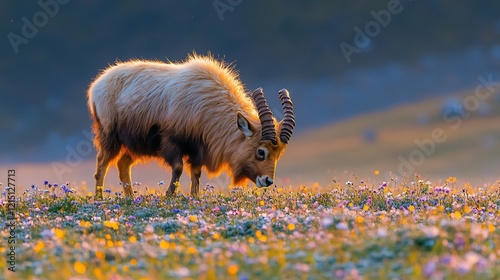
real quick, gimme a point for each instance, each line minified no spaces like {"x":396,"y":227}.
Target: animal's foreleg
{"x":176,"y":174}
{"x":195,"y":179}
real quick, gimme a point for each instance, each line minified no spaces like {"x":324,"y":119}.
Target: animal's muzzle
{"x":263,"y":181}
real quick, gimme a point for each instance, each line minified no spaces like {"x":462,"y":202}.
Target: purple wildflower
{"x":65,"y":189}
{"x":429,"y":268}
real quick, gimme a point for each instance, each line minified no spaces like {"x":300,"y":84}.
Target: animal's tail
{"x":96,"y":126}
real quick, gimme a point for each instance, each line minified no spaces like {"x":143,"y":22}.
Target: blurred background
{"x":371,"y":81}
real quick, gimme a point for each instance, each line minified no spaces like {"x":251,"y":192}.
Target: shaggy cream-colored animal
{"x":194,"y":113}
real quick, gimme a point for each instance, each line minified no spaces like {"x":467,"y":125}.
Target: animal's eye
{"x":262,"y":153}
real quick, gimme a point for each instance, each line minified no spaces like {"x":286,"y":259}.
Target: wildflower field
{"x":413,"y":229}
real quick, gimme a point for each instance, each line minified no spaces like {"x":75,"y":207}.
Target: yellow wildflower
{"x":39,"y":246}
{"x":359,"y":219}
{"x":467,"y":209}
{"x":110,"y":243}
{"x":100,"y":255}
{"x":59,"y":233}
{"x":491,"y":228}
{"x":110,"y":224}
{"x":233,"y":269}
{"x":164,"y":244}
{"x":85,"y":224}
{"x":80,"y":267}
{"x":98,"y":273}
{"x":451,"y":180}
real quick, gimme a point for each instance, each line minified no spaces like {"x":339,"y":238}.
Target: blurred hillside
{"x":402,"y":141}
{"x":431,"y":48}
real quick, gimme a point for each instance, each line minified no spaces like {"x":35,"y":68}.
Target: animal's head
{"x":262,"y":149}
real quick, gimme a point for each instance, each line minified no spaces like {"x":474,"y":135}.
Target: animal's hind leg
{"x":107,"y":150}
{"x":103,"y":158}
{"x":124,"y":169}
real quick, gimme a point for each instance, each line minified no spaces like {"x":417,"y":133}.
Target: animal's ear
{"x":244,"y":125}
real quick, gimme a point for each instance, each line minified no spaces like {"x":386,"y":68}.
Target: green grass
{"x":406,"y":230}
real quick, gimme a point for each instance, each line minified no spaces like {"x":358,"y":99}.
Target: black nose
{"x":268,"y":181}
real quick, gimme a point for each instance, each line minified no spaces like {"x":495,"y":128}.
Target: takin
{"x":194,"y":113}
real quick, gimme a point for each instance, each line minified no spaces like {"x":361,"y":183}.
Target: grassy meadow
{"x":318,"y":222}
{"x":412,"y":229}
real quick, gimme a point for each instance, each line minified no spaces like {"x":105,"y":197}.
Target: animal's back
{"x":192,"y":98}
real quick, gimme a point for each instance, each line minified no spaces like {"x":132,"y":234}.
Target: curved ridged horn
{"x":288,"y":122}
{"x":265,"y":116}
